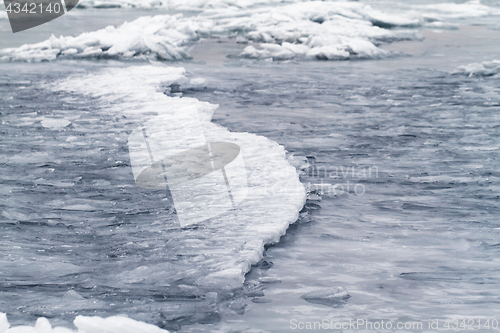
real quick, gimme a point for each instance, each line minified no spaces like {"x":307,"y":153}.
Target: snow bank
{"x":161,"y":37}
{"x":317,"y":30}
{"x":485,"y":68}
{"x":116,"y":324}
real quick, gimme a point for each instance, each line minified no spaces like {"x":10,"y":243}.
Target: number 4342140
{"x":471,"y":324}
{"x":33,"y":8}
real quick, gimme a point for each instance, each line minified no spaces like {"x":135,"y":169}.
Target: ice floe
{"x":222,"y":249}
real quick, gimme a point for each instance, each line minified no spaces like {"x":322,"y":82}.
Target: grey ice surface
{"x":413,"y":237}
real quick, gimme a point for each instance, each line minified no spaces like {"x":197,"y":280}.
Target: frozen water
{"x":417,"y":240}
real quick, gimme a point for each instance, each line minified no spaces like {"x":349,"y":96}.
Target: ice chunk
{"x":72,"y":295}
{"x":42,"y":325}
{"x":197,"y":83}
{"x":116,"y":324}
{"x":485,"y":68}
{"x":4,"y":323}
{"x":55,"y":122}
{"x":334,"y":297}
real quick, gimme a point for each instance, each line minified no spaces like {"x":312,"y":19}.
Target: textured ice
{"x":317,"y":30}
{"x":485,"y":68}
{"x":115,"y":324}
{"x":311,"y":30}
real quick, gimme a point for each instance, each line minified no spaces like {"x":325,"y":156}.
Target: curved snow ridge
{"x":485,"y":68}
{"x":316,"y":30}
{"x":115,"y":324}
{"x":222,"y":249}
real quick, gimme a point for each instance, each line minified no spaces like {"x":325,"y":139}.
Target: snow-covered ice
{"x":310,"y":30}
{"x":320,"y":30}
{"x":164,"y":37}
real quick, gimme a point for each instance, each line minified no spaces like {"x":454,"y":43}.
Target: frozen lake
{"x":398,"y":155}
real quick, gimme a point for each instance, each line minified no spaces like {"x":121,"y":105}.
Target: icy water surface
{"x":404,"y":191}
